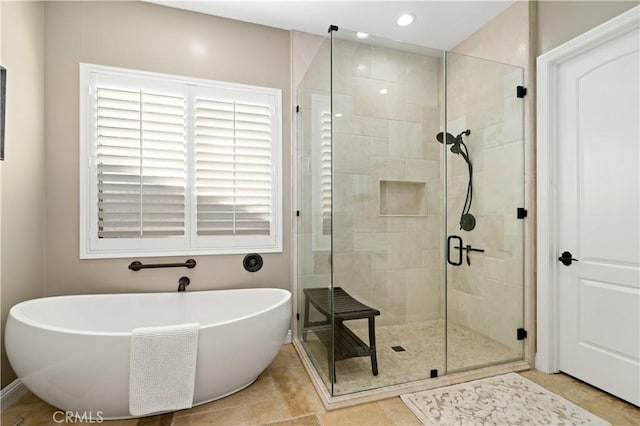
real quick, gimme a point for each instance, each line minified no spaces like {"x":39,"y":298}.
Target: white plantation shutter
{"x":325,"y":173}
{"x":141,"y":168}
{"x":173,"y":165}
{"x":321,"y":171}
{"x":233,"y":167}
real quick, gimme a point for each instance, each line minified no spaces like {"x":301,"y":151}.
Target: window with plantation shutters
{"x":325,"y":174}
{"x":140,"y":162}
{"x":173,"y":165}
{"x":321,"y":165}
{"x":233,"y":166}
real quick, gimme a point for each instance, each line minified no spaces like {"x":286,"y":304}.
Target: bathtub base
{"x":194,"y":405}
{"x":228,"y":394}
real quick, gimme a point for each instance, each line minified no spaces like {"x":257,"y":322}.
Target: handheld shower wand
{"x":467,"y":220}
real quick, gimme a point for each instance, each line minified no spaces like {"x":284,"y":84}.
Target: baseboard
{"x":11,"y":393}
{"x":287,"y":339}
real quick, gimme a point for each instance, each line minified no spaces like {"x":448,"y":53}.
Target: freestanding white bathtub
{"x":73,"y":351}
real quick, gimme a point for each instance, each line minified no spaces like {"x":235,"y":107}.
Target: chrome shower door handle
{"x":459,"y":248}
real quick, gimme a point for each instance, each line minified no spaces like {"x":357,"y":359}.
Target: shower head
{"x":450,"y":139}
{"x":456,"y":142}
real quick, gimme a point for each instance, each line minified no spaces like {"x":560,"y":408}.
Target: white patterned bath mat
{"x":509,"y":399}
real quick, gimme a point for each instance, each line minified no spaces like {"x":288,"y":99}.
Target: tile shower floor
{"x":284,"y":395}
{"x":423,"y":345}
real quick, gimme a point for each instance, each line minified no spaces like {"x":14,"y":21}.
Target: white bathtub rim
{"x":16,"y":314}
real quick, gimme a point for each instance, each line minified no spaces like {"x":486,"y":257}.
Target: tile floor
{"x":424,"y":350}
{"x":284,"y":395}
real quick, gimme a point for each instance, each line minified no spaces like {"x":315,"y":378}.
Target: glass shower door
{"x":387,"y":213}
{"x":313,"y":217}
{"x":483,"y":148}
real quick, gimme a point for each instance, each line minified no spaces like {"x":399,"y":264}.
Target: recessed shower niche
{"x":379,"y":195}
{"x":402,"y":198}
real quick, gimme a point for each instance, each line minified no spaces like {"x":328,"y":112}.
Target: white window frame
{"x":91,"y":247}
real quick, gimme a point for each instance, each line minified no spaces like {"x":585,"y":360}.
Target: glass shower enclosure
{"x":409,"y":246}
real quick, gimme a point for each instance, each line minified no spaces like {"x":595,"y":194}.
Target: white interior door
{"x":599,"y":216}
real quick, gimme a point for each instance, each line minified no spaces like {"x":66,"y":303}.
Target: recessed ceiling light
{"x":383,"y":91}
{"x":337,"y":114}
{"x":406,"y":19}
{"x":362,"y":36}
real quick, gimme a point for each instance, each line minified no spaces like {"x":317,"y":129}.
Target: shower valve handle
{"x":468,"y":248}
{"x":460,"y":249}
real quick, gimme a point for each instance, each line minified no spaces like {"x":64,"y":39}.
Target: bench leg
{"x":372,"y":345}
{"x":331,"y":362}
{"x":305,"y":325}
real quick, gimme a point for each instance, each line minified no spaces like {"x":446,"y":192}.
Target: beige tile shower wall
{"x":488,"y":295}
{"x":389,"y":106}
{"x":148,"y":37}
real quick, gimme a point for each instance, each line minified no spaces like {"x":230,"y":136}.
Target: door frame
{"x":547,"y":154}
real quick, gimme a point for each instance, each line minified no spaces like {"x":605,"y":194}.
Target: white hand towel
{"x":162,"y":368}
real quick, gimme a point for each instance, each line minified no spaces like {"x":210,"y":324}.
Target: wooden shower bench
{"x":347,"y":344}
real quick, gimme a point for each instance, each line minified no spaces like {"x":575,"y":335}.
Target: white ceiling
{"x":439,"y":24}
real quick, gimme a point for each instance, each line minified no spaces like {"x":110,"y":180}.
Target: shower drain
{"x":398,"y":348}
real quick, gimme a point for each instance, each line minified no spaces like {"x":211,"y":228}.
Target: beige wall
{"x":23,"y":176}
{"x":147,"y":37}
{"x":503,"y":39}
{"x":560,"y":21}
{"x":304,"y":48}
